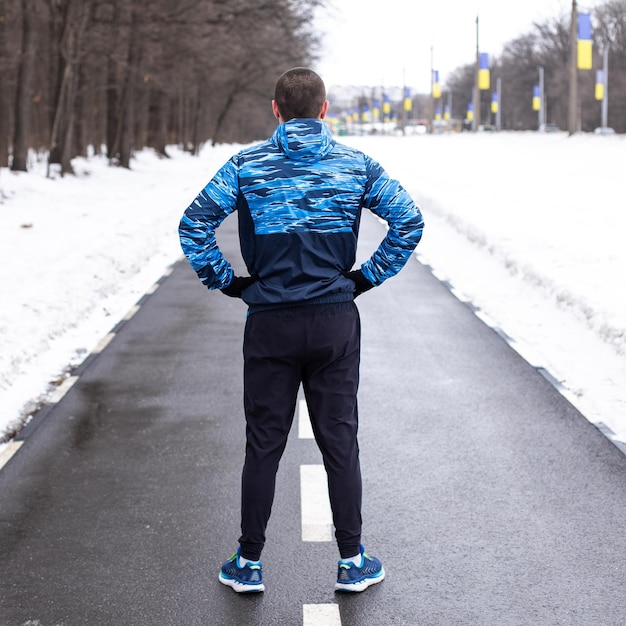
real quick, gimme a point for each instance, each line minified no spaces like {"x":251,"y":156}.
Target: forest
{"x":119,"y":75}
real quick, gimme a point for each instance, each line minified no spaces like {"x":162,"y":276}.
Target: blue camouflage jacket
{"x":299,"y":197}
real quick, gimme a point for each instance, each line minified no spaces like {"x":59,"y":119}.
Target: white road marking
{"x":131,"y":312}
{"x":9,"y":451}
{"x":104,"y":342}
{"x":61,"y":390}
{"x":317,"y":519}
{"x":152,"y":289}
{"x":304,"y":421}
{"x":321,"y":615}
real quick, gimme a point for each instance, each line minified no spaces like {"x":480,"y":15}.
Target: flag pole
{"x":572,"y":118}
{"x":499,"y":113}
{"x":476,"y":120}
{"x":605,"y":96}
{"x":542,"y":106}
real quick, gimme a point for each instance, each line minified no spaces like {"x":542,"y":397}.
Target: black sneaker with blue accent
{"x":246,"y":578}
{"x":352,"y":577}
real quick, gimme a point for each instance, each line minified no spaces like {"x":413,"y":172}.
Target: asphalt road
{"x":488,"y":497}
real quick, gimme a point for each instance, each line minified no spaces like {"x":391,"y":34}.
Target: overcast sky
{"x":384,"y":42}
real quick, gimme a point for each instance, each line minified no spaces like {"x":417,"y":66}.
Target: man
{"x":299,"y":197}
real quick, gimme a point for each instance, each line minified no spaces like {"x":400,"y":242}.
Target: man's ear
{"x":275,"y":109}
{"x":324,"y":110}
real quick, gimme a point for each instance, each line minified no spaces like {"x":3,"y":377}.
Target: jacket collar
{"x":304,"y":139}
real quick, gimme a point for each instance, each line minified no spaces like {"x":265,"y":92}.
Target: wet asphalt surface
{"x":488,"y":497}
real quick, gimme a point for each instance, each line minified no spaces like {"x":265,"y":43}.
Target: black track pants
{"x":318,"y":346}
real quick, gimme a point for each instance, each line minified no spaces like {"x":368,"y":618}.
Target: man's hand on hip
{"x":361,"y":284}
{"x":237,"y":285}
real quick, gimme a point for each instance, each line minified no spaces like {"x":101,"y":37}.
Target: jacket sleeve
{"x":386,"y":198}
{"x":200,"y":221}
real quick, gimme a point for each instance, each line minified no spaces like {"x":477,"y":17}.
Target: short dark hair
{"x":299,"y":92}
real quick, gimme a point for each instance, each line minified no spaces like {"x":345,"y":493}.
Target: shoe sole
{"x":241,"y":587}
{"x":362,"y":585}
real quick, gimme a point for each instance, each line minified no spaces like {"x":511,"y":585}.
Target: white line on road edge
{"x":131,"y":312}
{"x":317,"y":520}
{"x":104,"y":342}
{"x":321,"y":615}
{"x":9,"y":451}
{"x":61,"y":390}
{"x":305,"y":431}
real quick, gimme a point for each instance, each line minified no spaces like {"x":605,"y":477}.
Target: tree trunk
{"x":111,"y":107}
{"x":112,"y":99}
{"x":25,"y":84}
{"x":5,"y":127}
{"x":126,"y":128}
{"x":159,"y":110}
{"x":61,"y":140}
{"x":195,"y":127}
{"x":61,"y":125}
{"x":221,"y":118}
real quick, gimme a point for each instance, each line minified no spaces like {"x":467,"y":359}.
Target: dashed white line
{"x":321,"y":615}
{"x":103,"y":343}
{"x":317,"y":524}
{"x":316,"y":516}
{"x":9,"y":451}
{"x":131,"y":312}
{"x":61,"y":390}
{"x":317,"y":520}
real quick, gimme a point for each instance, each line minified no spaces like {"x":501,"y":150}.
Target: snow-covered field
{"x":528,"y":227}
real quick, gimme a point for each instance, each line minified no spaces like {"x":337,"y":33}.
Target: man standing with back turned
{"x":299,"y":197}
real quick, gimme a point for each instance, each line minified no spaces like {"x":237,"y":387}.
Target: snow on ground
{"x":525,"y":226}
{"x":529,"y":228}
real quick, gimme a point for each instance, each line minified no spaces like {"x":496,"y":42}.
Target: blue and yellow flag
{"x":408,"y":103}
{"x":469,"y":116}
{"x":483,"y":72}
{"x":376,"y":109}
{"x":386,"y":107}
{"x":494,"y":102}
{"x":438,"y":114}
{"x":600,"y":85}
{"x":365,"y":114}
{"x":585,"y":56}
{"x":436,"y":85}
{"x":536,"y":98}
{"x":446,"y":112}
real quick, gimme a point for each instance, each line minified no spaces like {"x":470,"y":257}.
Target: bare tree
{"x":5,"y":73}
{"x":72,"y":50}
{"x":131,"y":73}
{"x":31,"y":24}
